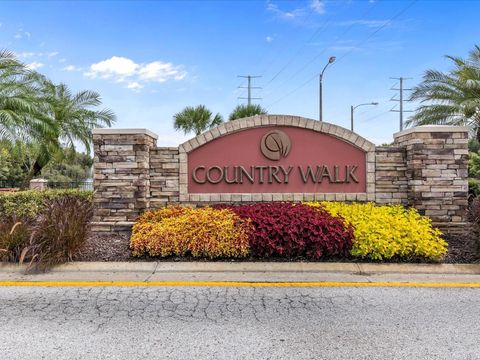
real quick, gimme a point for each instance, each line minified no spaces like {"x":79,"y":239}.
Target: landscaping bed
{"x":462,"y":249}
{"x":47,"y":228}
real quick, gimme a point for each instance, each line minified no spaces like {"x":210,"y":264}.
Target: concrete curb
{"x":257,"y":267}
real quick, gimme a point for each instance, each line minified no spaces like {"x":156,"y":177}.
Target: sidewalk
{"x":246,"y":273}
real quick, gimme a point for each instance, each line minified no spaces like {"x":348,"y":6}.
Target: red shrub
{"x":290,"y":230}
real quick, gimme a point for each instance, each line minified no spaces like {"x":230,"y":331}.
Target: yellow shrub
{"x":385,"y":231}
{"x":181,"y":231}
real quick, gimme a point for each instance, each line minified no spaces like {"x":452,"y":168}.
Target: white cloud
{"x":71,"y":68}
{"x":121,"y":69}
{"x":26,"y":55}
{"x":161,"y":72}
{"x":20,"y":34}
{"x":318,"y":6}
{"x":116,"y":67}
{"x":34,"y":65}
{"x":269,"y":38}
{"x":286,"y":15}
{"x":134,"y":85}
{"x":62,"y":60}
{"x":52,"y":54}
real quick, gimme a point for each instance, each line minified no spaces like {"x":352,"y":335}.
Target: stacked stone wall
{"x":121,"y":177}
{"x":437,"y":172}
{"x":164,"y":176}
{"x":391,"y":182}
{"x":425,"y":168}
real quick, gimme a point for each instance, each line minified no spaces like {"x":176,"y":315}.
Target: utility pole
{"x":401,"y":89}
{"x":249,"y":88}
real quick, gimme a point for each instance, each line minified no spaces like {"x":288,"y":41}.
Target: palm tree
{"x":74,"y":117}
{"x":451,"y":98}
{"x":196,"y":119}
{"x":242,"y":111}
{"x":20,"y":115}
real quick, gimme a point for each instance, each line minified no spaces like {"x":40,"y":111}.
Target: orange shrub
{"x":181,"y":231}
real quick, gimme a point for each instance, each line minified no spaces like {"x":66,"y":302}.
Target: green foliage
{"x":474,"y":186}
{"x":10,"y":168}
{"x":47,"y":116}
{"x":59,"y":232}
{"x":451,"y":98}
{"x":474,"y":165}
{"x":242,"y":111}
{"x":387,"y":231}
{"x":68,"y":166}
{"x":30,"y":203}
{"x":20,"y":114}
{"x":473,"y":145}
{"x":196,"y":119}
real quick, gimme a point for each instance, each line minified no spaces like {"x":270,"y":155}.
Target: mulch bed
{"x":106,"y":247}
{"x":462,"y":249}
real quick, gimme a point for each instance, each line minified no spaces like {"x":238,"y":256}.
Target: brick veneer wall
{"x":426,"y":168}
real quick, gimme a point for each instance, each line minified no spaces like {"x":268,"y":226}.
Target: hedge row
{"x":29,"y":203}
{"x":269,"y":230}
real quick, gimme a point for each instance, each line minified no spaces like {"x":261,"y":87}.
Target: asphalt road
{"x":239,"y":323}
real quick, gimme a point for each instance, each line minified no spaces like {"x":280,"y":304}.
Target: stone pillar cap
{"x":432,"y":129}
{"x":101,"y":131}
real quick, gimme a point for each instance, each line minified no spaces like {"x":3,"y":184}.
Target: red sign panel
{"x":277,"y":160}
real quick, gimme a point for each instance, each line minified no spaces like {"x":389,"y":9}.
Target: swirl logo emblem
{"x":275,"y":144}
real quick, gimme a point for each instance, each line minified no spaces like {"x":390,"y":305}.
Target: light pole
{"x":354,"y":107}
{"x":331,"y":60}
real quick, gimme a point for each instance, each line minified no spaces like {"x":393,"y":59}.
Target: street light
{"x":354,"y":107}
{"x":331,"y":60}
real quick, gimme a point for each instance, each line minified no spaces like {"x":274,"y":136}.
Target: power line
{"x":297,"y":52}
{"x":401,"y":89}
{"x":316,"y":57}
{"x":283,"y":49}
{"x":401,"y":12}
{"x":249,"y":88}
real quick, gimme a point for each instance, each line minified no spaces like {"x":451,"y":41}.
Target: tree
{"x":20,"y":115}
{"x":74,"y":117}
{"x":196,"y":120}
{"x":242,"y":111}
{"x":451,"y":98}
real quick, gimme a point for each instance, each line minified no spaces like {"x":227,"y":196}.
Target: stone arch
{"x":277,"y":120}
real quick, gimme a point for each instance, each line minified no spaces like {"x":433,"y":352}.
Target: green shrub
{"x":59,"y":231}
{"x":29,"y":203}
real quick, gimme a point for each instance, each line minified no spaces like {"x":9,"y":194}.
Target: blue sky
{"x":151,"y":59}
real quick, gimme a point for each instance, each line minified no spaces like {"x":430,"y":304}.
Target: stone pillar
{"x":38,"y":184}
{"x":437,"y":172}
{"x":121,"y":176}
